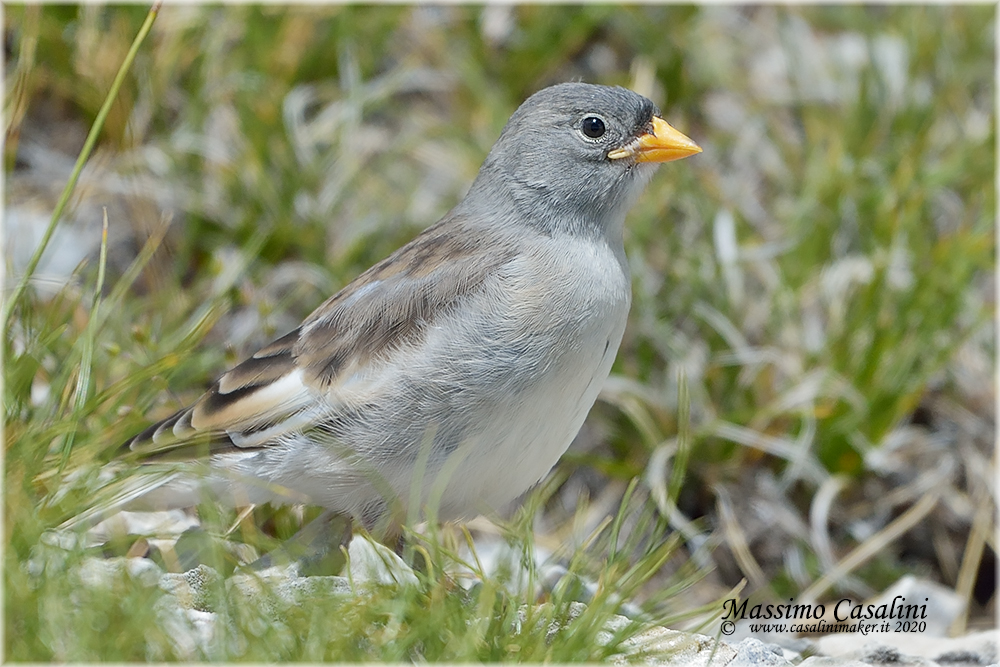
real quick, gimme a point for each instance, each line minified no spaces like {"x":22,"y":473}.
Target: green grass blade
{"x":81,"y":160}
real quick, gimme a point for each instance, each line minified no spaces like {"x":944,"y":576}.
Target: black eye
{"x":593,"y":127}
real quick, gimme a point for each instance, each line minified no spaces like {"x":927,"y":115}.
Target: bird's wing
{"x":286,"y":385}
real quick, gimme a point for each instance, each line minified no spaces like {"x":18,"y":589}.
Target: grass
{"x":813,"y":293}
{"x":432,"y":618}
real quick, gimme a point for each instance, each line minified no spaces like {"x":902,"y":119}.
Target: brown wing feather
{"x":387,"y":307}
{"x":401,"y":294}
{"x":178,"y":436}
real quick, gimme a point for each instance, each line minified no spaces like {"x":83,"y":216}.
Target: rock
{"x":939,"y":605}
{"x":826,"y":661}
{"x":372,"y":563}
{"x":194,"y":589}
{"x":258,"y":588}
{"x":917,"y":613}
{"x":300,"y":590}
{"x":170,"y":522}
{"x":191,"y":632}
{"x":875,"y":653}
{"x":662,"y":646}
{"x":203,"y":625}
{"x":750,"y":652}
{"x":287,"y":586}
{"x":976,"y":649}
{"x":102,"y":572}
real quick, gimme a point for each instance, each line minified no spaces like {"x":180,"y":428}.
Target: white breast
{"x":574,"y":298}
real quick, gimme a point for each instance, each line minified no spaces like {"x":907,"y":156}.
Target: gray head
{"x":575,"y":156}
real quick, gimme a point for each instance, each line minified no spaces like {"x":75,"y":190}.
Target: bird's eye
{"x":593,"y":127}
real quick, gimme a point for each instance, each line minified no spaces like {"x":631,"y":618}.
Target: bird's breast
{"x":557,"y":318}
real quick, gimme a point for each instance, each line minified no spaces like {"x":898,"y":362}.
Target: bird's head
{"x":578,"y":154}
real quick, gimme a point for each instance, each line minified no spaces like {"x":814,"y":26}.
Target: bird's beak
{"x":662,"y":144}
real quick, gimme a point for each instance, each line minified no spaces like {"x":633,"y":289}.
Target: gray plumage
{"x":457,"y":370}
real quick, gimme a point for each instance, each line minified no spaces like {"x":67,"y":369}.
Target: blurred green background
{"x":820,"y":279}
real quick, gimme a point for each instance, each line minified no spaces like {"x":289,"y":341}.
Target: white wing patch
{"x":270,"y":403}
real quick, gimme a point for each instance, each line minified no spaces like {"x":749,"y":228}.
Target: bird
{"x":455,"y":372}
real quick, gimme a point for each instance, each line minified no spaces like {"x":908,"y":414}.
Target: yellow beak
{"x":663,"y":144}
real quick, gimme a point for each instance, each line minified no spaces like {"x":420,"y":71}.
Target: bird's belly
{"x":525,"y":435}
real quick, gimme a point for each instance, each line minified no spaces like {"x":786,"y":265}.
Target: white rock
{"x":826,"y":661}
{"x":102,"y":572}
{"x":193,"y":589}
{"x":943,"y":605}
{"x":302,"y":589}
{"x":982,"y":645}
{"x":191,"y":632}
{"x":751,"y":652}
{"x":662,"y":646}
{"x":372,"y":563}
{"x":170,"y":523}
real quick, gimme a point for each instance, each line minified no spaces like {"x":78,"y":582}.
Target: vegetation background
{"x":814,"y":295}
